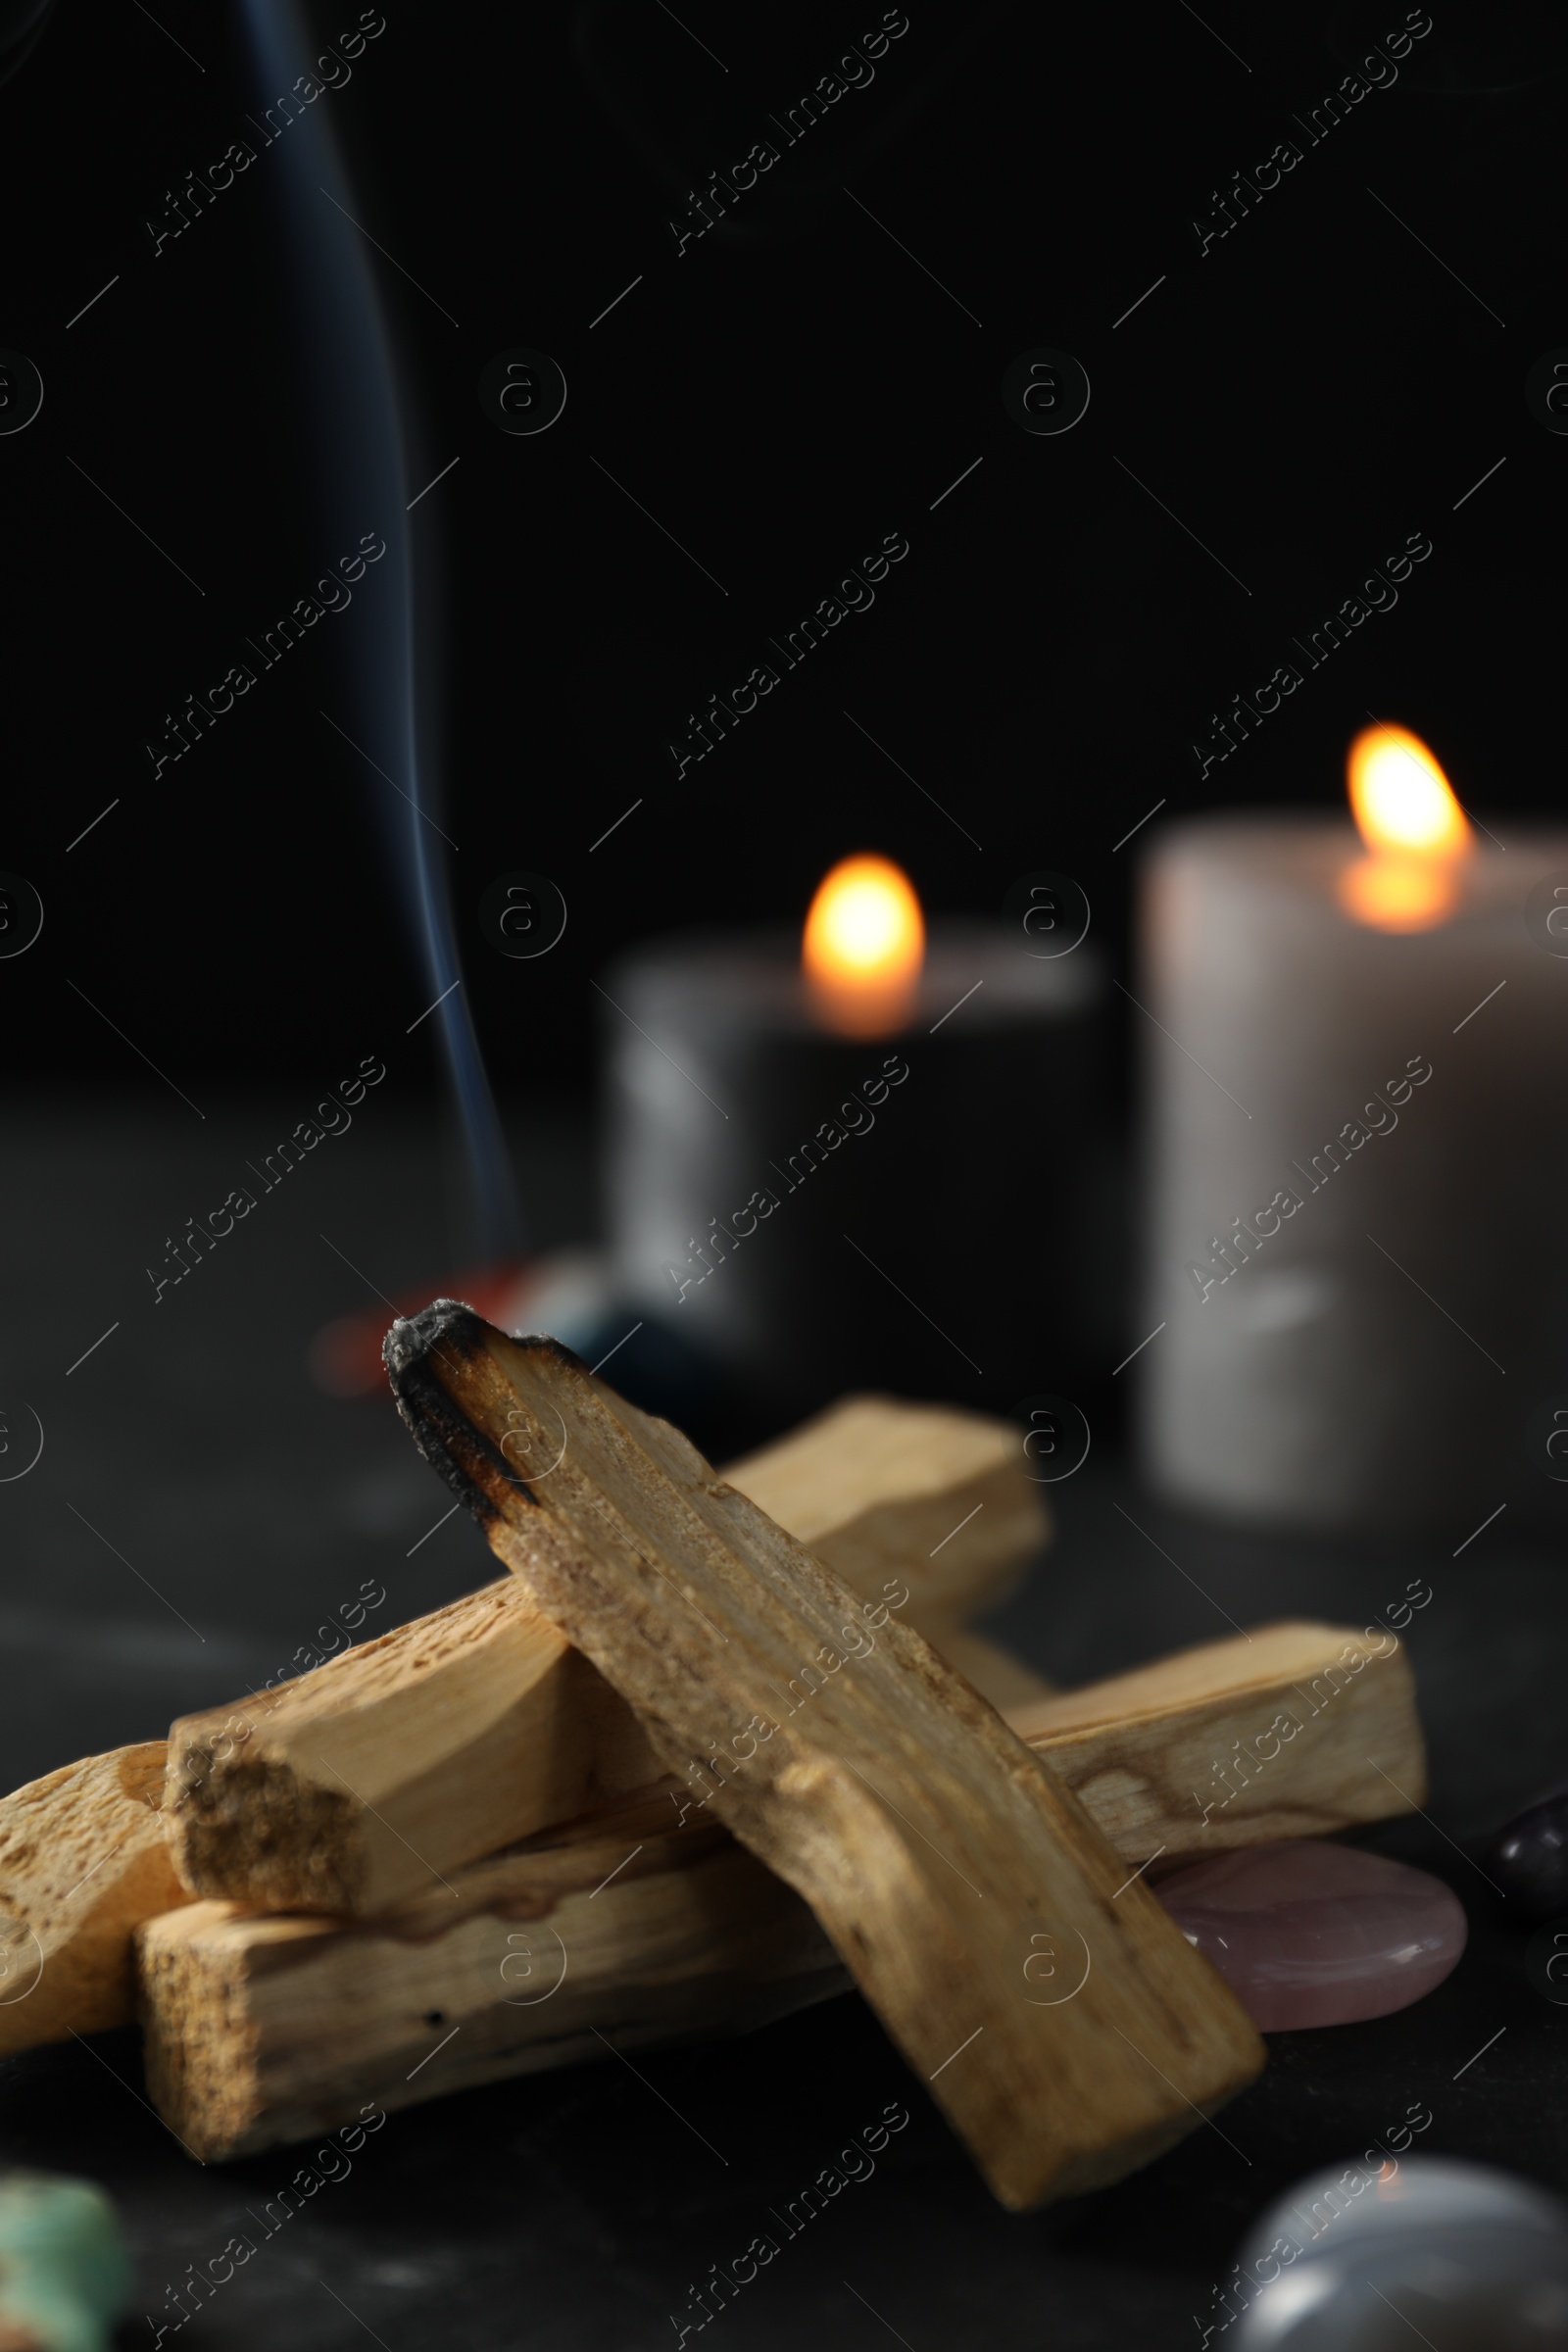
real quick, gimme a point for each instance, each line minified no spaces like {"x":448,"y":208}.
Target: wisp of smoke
{"x":350,"y":382}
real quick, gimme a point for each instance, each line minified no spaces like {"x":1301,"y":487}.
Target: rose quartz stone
{"x":1307,"y":1934}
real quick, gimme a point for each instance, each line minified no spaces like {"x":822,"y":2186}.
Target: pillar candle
{"x":916,"y":1209}
{"x":1358,"y":1163}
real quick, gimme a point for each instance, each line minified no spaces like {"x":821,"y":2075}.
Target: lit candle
{"x":1358,"y":1146}
{"x":863,"y":1157}
{"x":1416,"y":834}
{"x":863,"y":949}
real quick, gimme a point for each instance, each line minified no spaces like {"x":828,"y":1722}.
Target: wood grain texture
{"x":83,"y":1861}
{"x":259,"y":2029}
{"x":372,"y":1778}
{"x":930,"y":1842}
{"x":1259,"y":1736}
{"x":1006,"y":1681}
{"x":362,"y":1783}
{"x":1292,"y":1731}
{"x":878,"y":1487}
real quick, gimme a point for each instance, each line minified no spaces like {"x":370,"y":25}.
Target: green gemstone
{"x":64,"y":2274}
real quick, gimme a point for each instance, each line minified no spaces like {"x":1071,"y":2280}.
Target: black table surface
{"x":197,"y":1507}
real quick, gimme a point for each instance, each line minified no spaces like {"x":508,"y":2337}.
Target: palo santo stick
{"x":703,"y":1613}
{"x":1267,"y":1734}
{"x":1259,"y":1736}
{"x":261,"y":2029}
{"x":994,"y":1672}
{"x":356,"y":1787}
{"x":371,"y":1779}
{"x":880,"y":1489}
{"x":83,"y":1861}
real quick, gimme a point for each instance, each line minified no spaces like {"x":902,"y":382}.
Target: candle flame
{"x":863,"y":947}
{"x":1415,"y":832}
{"x":1400,"y":798}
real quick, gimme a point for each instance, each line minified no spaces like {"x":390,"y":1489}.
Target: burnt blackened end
{"x":453,"y":1329}
{"x":440,"y":1428}
{"x":446,"y":1335}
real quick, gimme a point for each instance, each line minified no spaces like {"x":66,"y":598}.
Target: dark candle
{"x":913,"y":1211}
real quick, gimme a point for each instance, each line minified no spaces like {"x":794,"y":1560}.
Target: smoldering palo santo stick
{"x":929,"y":1841}
{"x":359,"y":1785}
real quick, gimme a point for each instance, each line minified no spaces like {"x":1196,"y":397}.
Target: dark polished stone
{"x":1530,"y":1859}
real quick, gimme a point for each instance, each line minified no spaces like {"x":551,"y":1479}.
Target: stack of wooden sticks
{"x":715,"y":1748}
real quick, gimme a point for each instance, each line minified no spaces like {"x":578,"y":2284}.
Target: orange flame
{"x":1416,"y":834}
{"x":863,"y":947}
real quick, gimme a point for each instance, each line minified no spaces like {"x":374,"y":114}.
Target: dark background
{"x":1304,"y":395}
{"x":1303,"y":398}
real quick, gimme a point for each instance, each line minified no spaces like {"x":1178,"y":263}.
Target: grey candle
{"x":1358,"y":1146}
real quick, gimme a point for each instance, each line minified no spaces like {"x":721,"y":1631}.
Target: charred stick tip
{"x":452,"y":1325}
{"x":412,"y":1338}
{"x":448,"y":1332}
